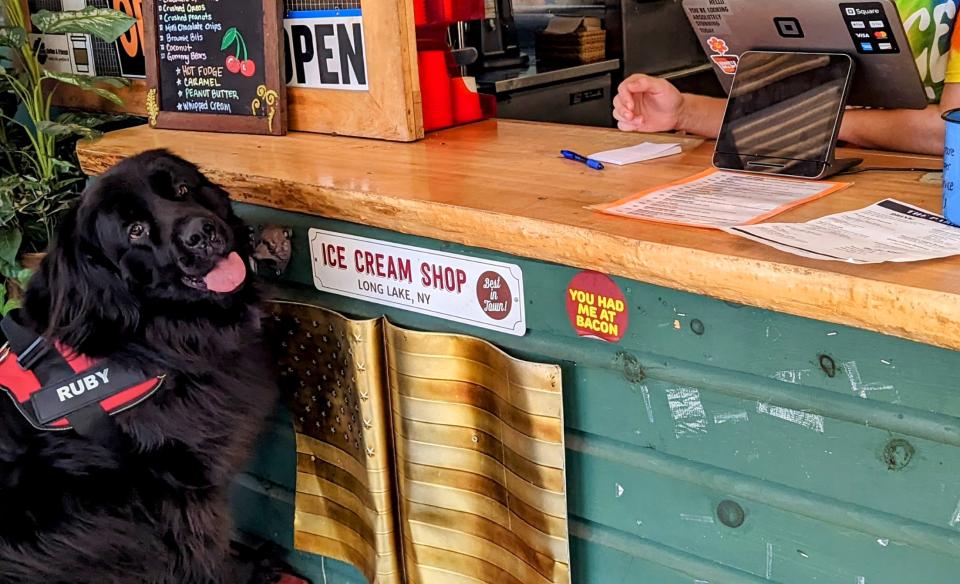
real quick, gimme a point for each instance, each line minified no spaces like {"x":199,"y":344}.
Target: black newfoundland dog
{"x":149,"y":274}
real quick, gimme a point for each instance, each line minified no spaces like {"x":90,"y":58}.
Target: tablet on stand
{"x":784,"y":113}
{"x":859,"y":53}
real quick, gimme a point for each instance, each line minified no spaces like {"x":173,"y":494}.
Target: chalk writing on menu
{"x":210,"y":55}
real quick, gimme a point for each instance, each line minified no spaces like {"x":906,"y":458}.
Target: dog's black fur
{"x":150,"y":507}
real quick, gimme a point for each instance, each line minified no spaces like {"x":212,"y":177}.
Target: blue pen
{"x":594,"y":164}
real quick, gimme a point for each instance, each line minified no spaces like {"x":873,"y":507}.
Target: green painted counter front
{"x":839,"y":446}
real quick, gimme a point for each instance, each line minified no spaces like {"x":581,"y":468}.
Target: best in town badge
{"x":597,"y":307}
{"x":475,"y":291}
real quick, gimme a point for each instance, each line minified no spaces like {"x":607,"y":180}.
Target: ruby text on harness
{"x":83,"y":385}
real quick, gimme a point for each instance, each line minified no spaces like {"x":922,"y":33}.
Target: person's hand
{"x":647,"y":104}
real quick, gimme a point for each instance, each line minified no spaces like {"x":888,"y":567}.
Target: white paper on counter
{"x":720,"y":199}
{"x":638,"y":153}
{"x":888,"y":231}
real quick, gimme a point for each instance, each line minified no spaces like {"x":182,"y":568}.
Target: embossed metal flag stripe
{"x":537,"y":427}
{"x":332,"y":369}
{"x":443,"y":436}
{"x":466,"y":474}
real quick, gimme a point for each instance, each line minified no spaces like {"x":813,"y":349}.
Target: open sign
{"x":325,"y":49}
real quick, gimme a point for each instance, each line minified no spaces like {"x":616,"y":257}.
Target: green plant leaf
{"x":59,"y":130}
{"x":112,"y":81}
{"x":87,"y":83}
{"x":91,"y":119}
{"x":64,"y":167}
{"x":103,"y":23}
{"x":22,"y":276}
{"x":7,"y":217}
{"x":9,"y":305}
{"x":106,"y":94}
{"x":7,"y":212}
{"x":229,"y":38}
{"x":10,"y":240}
{"x":12,"y":36}
{"x":72,"y":79}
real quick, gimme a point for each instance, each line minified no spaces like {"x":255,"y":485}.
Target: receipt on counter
{"x":719,"y":199}
{"x":888,"y":231}
{"x":638,"y":153}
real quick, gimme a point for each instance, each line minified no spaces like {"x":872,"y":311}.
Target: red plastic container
{"x":446,"y":12}
{"x":466,"y":101}
{"x":447,"y":98}
{"x":435,"y":90}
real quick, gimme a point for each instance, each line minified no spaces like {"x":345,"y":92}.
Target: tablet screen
{"x":783,"y":106}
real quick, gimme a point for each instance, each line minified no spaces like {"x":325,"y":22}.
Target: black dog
{"x":149,"y":271}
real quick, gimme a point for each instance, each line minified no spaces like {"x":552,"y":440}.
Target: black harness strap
{"x":26,"y":344}
{"x":93,"y":423}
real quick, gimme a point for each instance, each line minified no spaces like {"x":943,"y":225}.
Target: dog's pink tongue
{"x":227,"y":275}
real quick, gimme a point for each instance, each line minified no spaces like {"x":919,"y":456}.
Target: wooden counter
{"x":502,"y":186}
{"x":708,"y":443}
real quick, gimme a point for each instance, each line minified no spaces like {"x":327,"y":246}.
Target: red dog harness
{"x":56,"y":388}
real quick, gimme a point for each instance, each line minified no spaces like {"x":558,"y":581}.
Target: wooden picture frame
{"x":270,"y":96}
{"x":391,"y":107}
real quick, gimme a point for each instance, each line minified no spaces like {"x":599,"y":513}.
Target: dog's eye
{"x":137,"y":230}
{"x":182,"y":192}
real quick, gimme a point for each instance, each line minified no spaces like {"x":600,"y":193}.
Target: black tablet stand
{"x":730,"y":154}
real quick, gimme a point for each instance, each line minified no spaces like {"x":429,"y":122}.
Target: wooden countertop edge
{"x":924,"y":315}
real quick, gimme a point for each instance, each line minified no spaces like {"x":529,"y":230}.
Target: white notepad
{"x":638,"y":153}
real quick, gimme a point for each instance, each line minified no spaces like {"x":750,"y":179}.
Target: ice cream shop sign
{"x":473,"y":291}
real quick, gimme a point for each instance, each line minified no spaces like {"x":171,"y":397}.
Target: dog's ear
{"x":170,"y":176}
{"x":167,"y":179}
{"x":77,"y":296}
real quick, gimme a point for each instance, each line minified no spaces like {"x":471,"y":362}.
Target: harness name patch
{"x":66,"y":396}
{"x":83,"y":385}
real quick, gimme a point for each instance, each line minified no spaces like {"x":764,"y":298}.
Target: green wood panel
{"x":840,"y":445}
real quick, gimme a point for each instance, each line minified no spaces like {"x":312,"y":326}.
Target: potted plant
{"x":40,"y":176}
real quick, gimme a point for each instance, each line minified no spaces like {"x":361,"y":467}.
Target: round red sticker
{"x":494,"y":295}
{"x":597,"y":307}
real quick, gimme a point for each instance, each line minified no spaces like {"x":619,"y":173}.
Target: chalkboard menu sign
{"x":215,"y":65}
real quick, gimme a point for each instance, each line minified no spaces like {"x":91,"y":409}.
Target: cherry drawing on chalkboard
{"x":245,"y":66}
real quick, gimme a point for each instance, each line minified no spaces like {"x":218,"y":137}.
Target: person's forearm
{"x":884,"y":130}
{"x":701,"y":115}
{"x":879,"y":129}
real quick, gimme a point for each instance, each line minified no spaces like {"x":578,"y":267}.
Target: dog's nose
{"x":199,"y":234}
